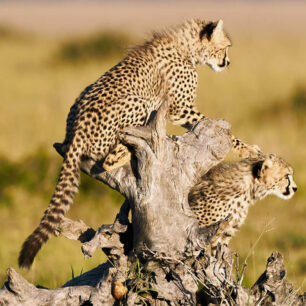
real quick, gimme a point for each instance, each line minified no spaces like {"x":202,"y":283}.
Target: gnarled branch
{"x":161,"y":255}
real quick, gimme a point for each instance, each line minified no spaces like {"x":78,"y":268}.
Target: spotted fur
{"x":230,"y":188}
{"x":162,"y":68}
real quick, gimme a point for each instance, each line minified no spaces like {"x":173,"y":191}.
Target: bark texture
{"x":160,"y":257}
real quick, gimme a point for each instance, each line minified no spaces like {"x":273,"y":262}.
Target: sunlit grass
{"x":257,"y":95}
{"x":97,"y":46}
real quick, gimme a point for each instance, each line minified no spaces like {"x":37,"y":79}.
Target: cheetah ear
{"x":272,"y":156}
{"x":219,"y":26}
{"x":257,"y":168}
{"x":212,"y":30}
{"x":267,"y":163}
{"x":261,"y":166}
{"x":207,"y":30}
{"x":218,"y":31}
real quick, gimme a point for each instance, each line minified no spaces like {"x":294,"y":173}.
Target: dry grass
{"x":256,"y":95}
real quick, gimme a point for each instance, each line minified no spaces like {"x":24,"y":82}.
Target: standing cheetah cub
{"x":230,"y":188}
{"x":163,"y":68}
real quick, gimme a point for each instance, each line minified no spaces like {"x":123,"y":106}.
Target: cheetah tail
{"x":67,"y":186}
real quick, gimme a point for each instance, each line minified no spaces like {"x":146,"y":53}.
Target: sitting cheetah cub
{"x":230,"y":188}
{"x":163,"y":68}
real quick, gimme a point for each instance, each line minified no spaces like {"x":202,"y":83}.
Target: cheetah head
{"x":213,"y":46}
{"x":277,"y":176}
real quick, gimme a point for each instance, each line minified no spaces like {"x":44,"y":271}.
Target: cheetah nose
{"x":294,"y":189}
{"x":227,"y":63}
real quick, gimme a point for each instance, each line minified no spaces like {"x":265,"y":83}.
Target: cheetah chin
{"x":215,"y":67}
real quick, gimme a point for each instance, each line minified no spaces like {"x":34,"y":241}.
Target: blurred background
{"x":51,"y":50}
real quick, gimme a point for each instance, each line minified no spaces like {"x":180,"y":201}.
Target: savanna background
{"x":49,"y":51}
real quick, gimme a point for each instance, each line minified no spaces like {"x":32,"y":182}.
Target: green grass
{"x":98,"y":46}
{"x":262,"y":95}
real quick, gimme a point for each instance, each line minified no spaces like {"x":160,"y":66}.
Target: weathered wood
{"x":17,"y":291}
{"x":166,"y":169}
{"x":160,"y":256}
{"x":272,"y":286}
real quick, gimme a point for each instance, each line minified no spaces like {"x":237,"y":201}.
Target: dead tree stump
{"x":160,"y":257}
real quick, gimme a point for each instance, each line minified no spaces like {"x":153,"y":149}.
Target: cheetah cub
{"x":230,"y":188}
{"x":161,"y":69}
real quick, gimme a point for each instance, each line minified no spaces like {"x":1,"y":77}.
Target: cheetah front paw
{"x":112,"y":162}
{"x":252,"y":151}
{"x":244,"y":150}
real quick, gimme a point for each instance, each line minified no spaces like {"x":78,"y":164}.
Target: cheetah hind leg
{"x":115,"y":159}
{"x":119,"y":156}
{"x":244,"y":150}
